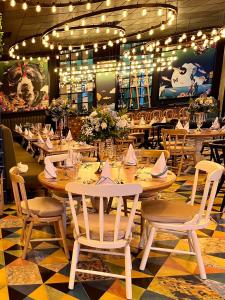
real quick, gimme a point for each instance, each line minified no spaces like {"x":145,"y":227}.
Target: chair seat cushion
{"x":109,"y":223}
{"x":168,"y":211}
{"x":44,"y":207}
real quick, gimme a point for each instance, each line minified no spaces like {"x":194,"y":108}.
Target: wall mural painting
{"x":23,"y":85}
{"x":191,"y":75}
{"x":106,"y":88}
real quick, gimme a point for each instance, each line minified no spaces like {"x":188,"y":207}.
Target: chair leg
{"x":63,"y":235}
{"x":27,"y":240}
{"x":190,"y":242}
{"x":198,"y":255}
{"x":125,"y":207}
{"x":109,"y":206}
{"x":147,"y":249}
{"x":23,"y":231}
{"x":128,"y":268}
{"x":222,"y":205}
{"x":75,"y":256}
{"x":180,"y":165}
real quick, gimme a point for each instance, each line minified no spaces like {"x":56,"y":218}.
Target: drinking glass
{"x":119,"y":164}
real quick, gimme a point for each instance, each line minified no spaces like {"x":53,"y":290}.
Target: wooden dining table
{"x":88,"y":174}
{"x":200,"y":136}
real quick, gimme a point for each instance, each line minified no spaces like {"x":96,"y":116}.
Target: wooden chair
{"x":217,"y":149}
{"x":156,"y":114}
{"x":169,"y":114}
{"x":174,"y":140}
{"x":99,"y":231}
{"x":39,"y":210}
{"x":183,"y":218}
{"x":1,"y":194}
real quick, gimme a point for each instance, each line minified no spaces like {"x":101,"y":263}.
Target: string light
{"x":33,"y":41}
{"x":13,"y":3}
{"x":108,"y":2}
{"x":151,"y":31}
{"x":70,"y":7}
{"x":38,"y":8}
{"x":125,"y":13}
{"x":24,"y":43}
{"x":160,"y":12}
{"x":144,"y":12}
{"x":88,"y":6}
{"x":53,"y":8}
{"x":103,"y":18}
{"x":24,"y":5}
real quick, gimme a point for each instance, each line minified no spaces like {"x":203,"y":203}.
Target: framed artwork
{"x":190,"y":76}
{"x":24,"y":85}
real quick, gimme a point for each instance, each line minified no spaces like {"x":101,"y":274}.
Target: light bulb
{"x":199,"y":33}
{"x":83,"y":22}
{"x":66,"y":27}
{"x":97,"y":30}
{"x":85,"y":31}
{"x":144,"y":12}
{"x":70,"y":7}
{"x":151,"y":31}
{"x":24,"y":6}
{"x":162,"y":27}
{"x":125,"y":13}
{"x":33,"y":41}
{"x":88,"y":6}
{"x":59,"y":47}
{"x":23,"y":43}
{"x":16,"y":47}
{"x":38,"y":8}
{"x":70,"y":48}
{"x":160,"y":12}
{"x":103,"y":18}
{"x":107,"y":30}
{"x":53,"y":9}
{"x":108,"y":2}
{"x":138,"y":36}
{"x":13,"y":3}
{"x":193,"y":38}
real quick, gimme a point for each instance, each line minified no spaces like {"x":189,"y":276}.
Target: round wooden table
{"x":128,"y":174}
{"x":202,"y":136}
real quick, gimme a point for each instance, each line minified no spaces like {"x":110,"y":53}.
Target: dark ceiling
{"x":192,"y":14}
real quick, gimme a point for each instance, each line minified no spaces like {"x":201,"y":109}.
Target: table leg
{"x":198,"y":147}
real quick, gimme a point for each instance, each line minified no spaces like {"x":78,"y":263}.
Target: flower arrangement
{"x":59,"y":109}
{"x":104,"y":123}
{"x":202,"y":104}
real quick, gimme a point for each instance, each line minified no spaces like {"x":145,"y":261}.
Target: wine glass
{"x":119,"y":164}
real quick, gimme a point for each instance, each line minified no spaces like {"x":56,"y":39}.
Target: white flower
{"x":93,"y":114}
{"x":103,"y":125}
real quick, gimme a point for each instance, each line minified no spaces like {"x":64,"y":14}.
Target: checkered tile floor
{"x":45,"y":273}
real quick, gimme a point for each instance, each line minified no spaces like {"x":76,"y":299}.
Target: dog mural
{"x":23,"y":83}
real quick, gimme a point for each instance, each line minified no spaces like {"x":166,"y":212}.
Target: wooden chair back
{"x":218,"y":151}
{"x":150,"y":156}
{"x":1,"y":193}
{"x":213,"y":172}
{"x":169,"y":113}
{"x":174,"y":140}
{"x":19,"y":190}
{"x":156,"y":114}
{"x":100,"y":192}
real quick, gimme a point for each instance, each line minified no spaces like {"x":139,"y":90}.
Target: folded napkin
{"x":132,"y":122}
{"x":187,"y":126}
{"x":69,"y":136}
{"x":160,"y":169}
{"x":30,"y":134}
{"x":142,"y":121}
{"x":163,"y":120}
{"x":105,"y":175}
{"x":45,"y":131}
{"x":49,"y":143}
{"x":154,"y":120}
{"x":223,"y":128}
{"x":40,"y":139}
{"x":215,"y":124}
{"x":22,"y":168}
{"x":25,"y":132}
{"x":16,"y":127}
{"x":50,"y":169}
{"x":70,"y":158}
{"x":130,"y":158}
{"x":179,"y":125}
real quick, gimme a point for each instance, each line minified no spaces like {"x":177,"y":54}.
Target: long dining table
{"x":88,"y":174}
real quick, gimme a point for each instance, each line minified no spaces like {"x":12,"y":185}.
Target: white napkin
{"x":163,"y":120}
{"x":154,"y":120}
{"x":142,"y":121}
{"x":187,"y":126}
{"x":160,"y":169}
{"x":20,"y":130}
{"x":22,"y":167}
{"x":179,"y":125}
{"x":30,"y":134}
{"x":130,"y":158}
{"x":48,"y":143}
{"x":215,"y":124}
{"x":16,"y":127}
{"x":50,"y":169}
{"x":45,"y":131}
{"x":25,"y":132}
{"x":70,"y":158}
{"x":106,"y":175}
{"x":132,"y":122}
{"x":69,"y":136}
{"x":40,"y":139}
{"x":223,"y":128}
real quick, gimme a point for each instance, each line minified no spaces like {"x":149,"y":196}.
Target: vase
{"x":105,"y":148}
{"x":200,"y":118}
